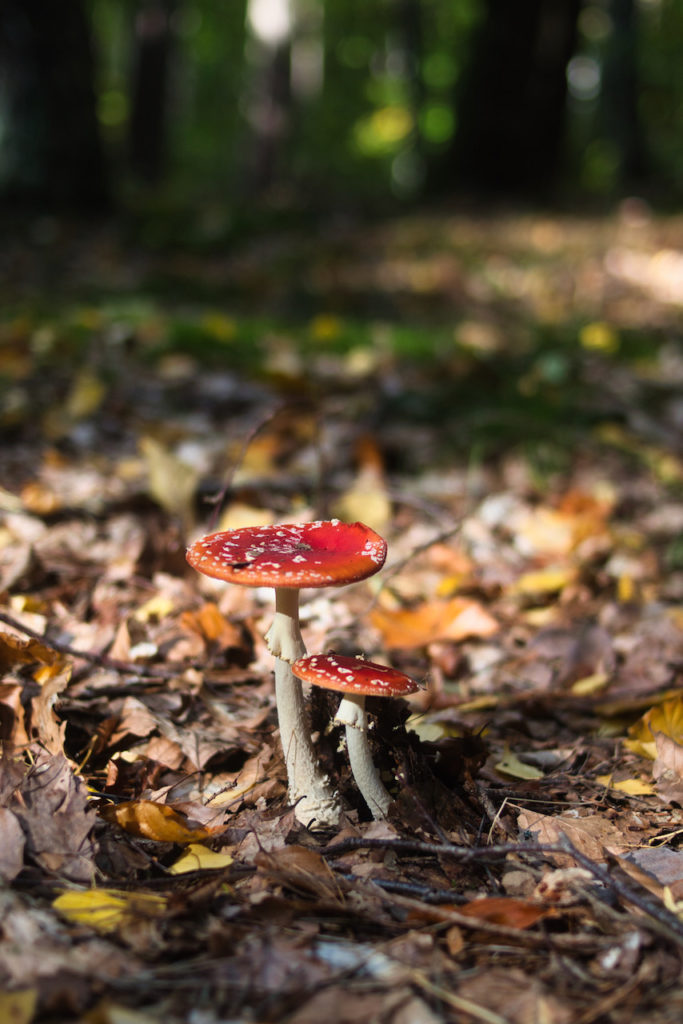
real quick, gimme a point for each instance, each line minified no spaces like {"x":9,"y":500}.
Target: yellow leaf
{"x":107,"y":1012}
{"x":325,"y":327}
{"x":511,"y":765}
{"x":200,"y":858}
{"x":238,"y":515}
{"x":171,"y":482}
{"x":434,"y":620}
{"x":151,"y":820}
{"x":632,"y":787}
{"x":599,"y":336}
{"x":158,"y":607}
{"x":544,"y":581}
{"x":626,"y":589}
{"x":666,"y":718}
{"x":590,"y":684}
{"x":14,"y":651}
{"x":105,"y":910}
{"x":19,"y":1006}
{"x":219,"y":326}
{"x":366,"y":501}
{"x":85,"y":396}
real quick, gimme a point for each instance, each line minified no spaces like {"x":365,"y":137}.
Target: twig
{"x":392,"y":570}
{"x":218,"y":499}
{"x":94,"y":658}
{"x":656,"y":917}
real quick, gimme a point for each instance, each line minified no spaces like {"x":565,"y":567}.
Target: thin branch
{"x":93,"y":657}
{"x":655,"y":915}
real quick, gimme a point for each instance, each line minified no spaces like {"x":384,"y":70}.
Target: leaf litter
{"x":530,"y":494}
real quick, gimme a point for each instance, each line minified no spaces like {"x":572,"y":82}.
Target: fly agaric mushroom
{"x":357,"y":679}
{"x":288,"y":557}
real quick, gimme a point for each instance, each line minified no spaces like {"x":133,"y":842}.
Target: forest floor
{"x":501,"y":399}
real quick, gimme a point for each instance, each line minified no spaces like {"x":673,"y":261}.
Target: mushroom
{"x":288,"y":557}
{"x":357,"y":679}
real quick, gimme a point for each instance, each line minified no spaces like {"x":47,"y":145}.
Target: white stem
{"x":351,"y":714}
{"x":308,"y":789}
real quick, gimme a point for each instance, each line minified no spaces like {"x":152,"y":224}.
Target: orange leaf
{"x":434,"y":620}
{"x":212,"y":626}
{"x":512,"y":913}
{"x":14,"y":651}
{"x":151,"y":820}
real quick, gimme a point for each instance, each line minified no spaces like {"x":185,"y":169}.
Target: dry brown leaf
{"x":656,"y":868}
{"x":518,"y":997}
{"x":44,"y":723}
{"x":668,"y":769}
{"x":11,"y":847}
{"x":592,"y":835}
{"x":12,"y":718}
{"x":434,"y":620}
{"x":301,"y":869}
{"x":52,"y":805}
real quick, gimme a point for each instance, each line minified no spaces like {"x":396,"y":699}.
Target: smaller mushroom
{"x":357,"y":679}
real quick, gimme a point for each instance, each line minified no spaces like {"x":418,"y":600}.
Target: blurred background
{"x":456,"y":220}
{"x":212,"y":114}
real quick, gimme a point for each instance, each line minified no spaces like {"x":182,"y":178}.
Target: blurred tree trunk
{"x":148,"y":124}
{"x":268,"y":102}
{"x":51,"y":153}
{"x":619,"y":97}
{"x":511,"y":108}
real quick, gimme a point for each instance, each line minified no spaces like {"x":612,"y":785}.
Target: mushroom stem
{"x":352,"y":715}
{"x":308,"y":789}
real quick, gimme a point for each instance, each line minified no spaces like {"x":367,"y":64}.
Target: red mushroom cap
{"x":353,"y":675}
{"x":321,"y":554}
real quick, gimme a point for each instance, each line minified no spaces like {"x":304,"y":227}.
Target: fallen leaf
{"x":14,"y":651}
{"x":45,"y":725}
{"x":632,"y":787}
{"x":11,"y":847}
{"x":210,"y":623}
{"x":171,"y":481}
{"x":18,"y":1007}
{"x":456,"y":619}
{"x":520,"y":998}
{"x":505,"y":910}
{"x":593,"y":683}
{"x":151,"y":820}
{"x":511,"y":765}
{"x":665,"y":718}
{"x":544,"y":581}
{"x":667,"y":770}
{"x":106,"y":910}
{"x":200,"y":858}
{"x":52,"y":805}
{"x":592,"y":835}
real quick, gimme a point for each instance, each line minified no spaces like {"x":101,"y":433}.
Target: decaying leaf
{"x":11,"y":846}
{"x":667,"y":770}
{"x":592,"y":834}
{"x":51,"y":804}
